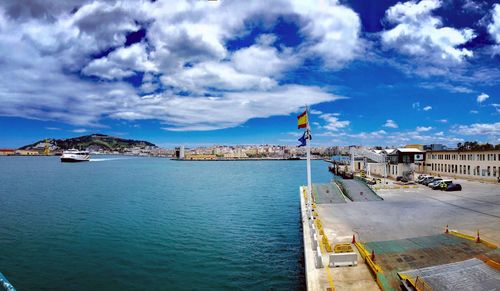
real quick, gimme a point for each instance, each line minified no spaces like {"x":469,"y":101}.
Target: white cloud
{"x":332,"y":123}
{"x":316,"y":112}
{"x":491,"y":129}
{"x":79,"y":130}
{"x":419,"y":33}
{"x":416,"y":105}
{"x":390,"y":123}
{"x":474,"y":111}
{"x":427,"y":108}
{"x":52,"y":128}
{"x":193,"y":80}
{"x":496,"y":106}
{"x":494,"y":26}
{"x":423,"y":128}
{"x":334,"y":31}
{"x":120,"y":63}
{"x":229,"y":109}
{"x":398,"y":138}
{"x":482,"y":97}
{"x":442,"y":120}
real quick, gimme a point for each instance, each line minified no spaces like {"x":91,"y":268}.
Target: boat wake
{"x":108,"y":159}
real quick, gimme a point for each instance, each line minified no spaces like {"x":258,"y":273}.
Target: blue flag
{"x":304,"y":137}
{"x":302,"y":140}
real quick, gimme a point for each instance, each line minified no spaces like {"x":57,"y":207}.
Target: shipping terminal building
{"x":479,"y":165}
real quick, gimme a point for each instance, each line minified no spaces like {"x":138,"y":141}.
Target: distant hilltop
{"x":93,"y":142}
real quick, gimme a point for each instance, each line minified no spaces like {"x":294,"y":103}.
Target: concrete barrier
{"x":314,"y":242}
{"x":318,"y":258}
{"x":343,"y":259}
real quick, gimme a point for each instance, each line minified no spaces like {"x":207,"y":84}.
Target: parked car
{"x":421,"y":178}
{"x":398,"y":178}
{"x":454,"y":187}
{"x":442,"y":185}
{"x":427,"y":180}
{"x":434,"y":181}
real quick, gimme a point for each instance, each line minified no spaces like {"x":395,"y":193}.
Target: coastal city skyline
{"x":388,"y":74}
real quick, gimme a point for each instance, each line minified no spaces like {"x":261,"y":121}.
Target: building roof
{"x":410,"y":150}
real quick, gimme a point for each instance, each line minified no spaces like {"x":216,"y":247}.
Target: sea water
{"x":127,"y":223}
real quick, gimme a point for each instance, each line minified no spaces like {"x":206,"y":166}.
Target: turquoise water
{"x":152,"y":224}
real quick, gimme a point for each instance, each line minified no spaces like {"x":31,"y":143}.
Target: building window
{"x":494,"y":171}
{"x":468,"y":170}
{"x":488,"y":171}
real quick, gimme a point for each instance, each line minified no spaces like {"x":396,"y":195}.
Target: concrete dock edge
{"x":311,"y":273}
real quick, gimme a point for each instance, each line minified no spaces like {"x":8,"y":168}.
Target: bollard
{"x":373,"y":256}
{"x":446,"y":229}
{"x":353,"y":239}
{"x":478,"y":239}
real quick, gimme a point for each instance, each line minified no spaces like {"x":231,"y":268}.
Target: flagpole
{"x":308,"y":149}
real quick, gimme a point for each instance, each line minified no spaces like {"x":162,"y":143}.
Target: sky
{"x":239,"y":72}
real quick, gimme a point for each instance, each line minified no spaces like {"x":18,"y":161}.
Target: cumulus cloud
{"x":494,"y":26}
{"x":332,"y":122}
{"x":398,"y":138}
{"x":418,"y":33}
{"x":123,"y":62}
{"x":489,"y":129}
{"x":390,"y":124}
{"x":423,"y":128}
{"x":316,"y":112}
{"x":427,"y":108}
{"x":71,"y":59}
{"x":334,"y":31}
{"x":482,"y":97}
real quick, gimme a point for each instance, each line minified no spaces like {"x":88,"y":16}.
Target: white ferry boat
{"x":73,"y":155}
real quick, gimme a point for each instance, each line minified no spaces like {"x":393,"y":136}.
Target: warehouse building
{"x":470,"y":164}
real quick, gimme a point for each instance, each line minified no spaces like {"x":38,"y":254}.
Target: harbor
{"x":410,"y":228}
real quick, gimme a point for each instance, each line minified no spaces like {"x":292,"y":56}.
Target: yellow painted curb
{"x":470,"y":237}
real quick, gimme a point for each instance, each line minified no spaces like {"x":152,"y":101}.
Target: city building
{"x":401,"y":162}
{"x":7,"y":152}
{"x":466,"y":164}
{"x":200,"y":157}
{"x":27,"y":153}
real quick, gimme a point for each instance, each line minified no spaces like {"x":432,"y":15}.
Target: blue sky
{"x":205,"y":72}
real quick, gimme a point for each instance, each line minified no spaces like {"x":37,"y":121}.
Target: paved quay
{"x":412,"y":219}
{"x":411,"y":212}
{"x":329,"y":278}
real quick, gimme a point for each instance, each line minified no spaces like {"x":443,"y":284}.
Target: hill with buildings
{"x":93,"y":142}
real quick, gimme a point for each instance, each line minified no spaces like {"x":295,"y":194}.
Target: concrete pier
{"x":329,"y":278}
{"x":405,"y":230}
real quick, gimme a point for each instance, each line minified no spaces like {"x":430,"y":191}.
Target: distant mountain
{"x":93,"y":142}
